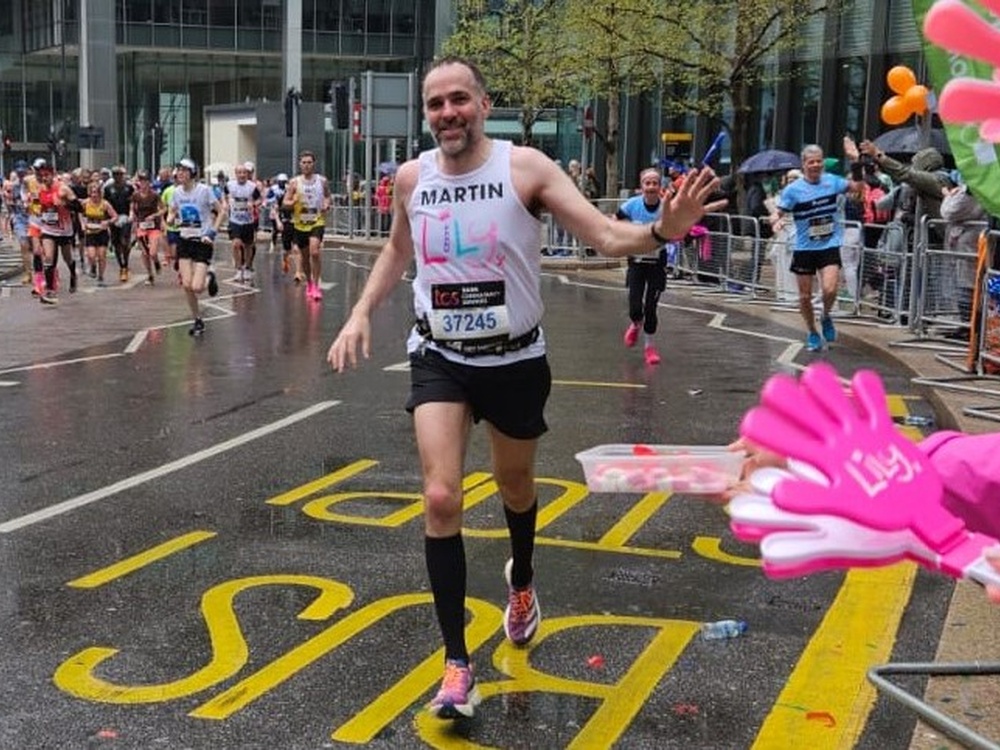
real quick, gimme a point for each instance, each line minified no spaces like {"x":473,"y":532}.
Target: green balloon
{"x":976,"y":159}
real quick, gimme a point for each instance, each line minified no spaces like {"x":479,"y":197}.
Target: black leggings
{"x":645,"y":281}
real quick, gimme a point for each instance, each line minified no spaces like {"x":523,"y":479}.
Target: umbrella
{"x":907,"y":141}
{"x":771,"y":160}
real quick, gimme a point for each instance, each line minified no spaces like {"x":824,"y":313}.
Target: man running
{"x":192,"y":206}
{"x":813,"y":202}
{"x":242,"y":202}
{"x":57,"y":232}
{"x":119,"y":194}
{"x":308,"y":196}
{"x":147,"y":212}
{"x":468,"y":213}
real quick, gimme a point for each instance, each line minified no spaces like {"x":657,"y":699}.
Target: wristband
{"x":656,"y":235}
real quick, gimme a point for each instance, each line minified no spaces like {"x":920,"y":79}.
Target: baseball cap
{"x":188,"y":164}
{"x":20,"y":166}
{"x":249,"y":166}
{"x":282,"y":177}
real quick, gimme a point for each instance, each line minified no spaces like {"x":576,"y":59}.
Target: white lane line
{"x":182,"y":463}
{"x":61,"y":362}
{"x":137,"y":341}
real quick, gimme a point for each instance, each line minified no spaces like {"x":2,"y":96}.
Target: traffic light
{"x":8,"y":144}
{"x":292,"y":99}
{"x":341,"y":106}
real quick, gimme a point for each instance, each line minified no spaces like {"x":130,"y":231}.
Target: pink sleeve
{"x":969,"y":466}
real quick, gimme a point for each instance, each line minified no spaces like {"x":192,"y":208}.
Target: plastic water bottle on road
{"x":723,"y":629}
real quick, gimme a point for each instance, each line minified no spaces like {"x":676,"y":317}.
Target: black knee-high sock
{"x":522,"y":543}
{"x":446,"y":569}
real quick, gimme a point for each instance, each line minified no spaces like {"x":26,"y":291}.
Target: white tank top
{"x":241,"y":194}
{"x":478,"y":256}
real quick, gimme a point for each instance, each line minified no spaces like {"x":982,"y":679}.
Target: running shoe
{"x":49,"y":298}
{"x":150,"y":280}
{"x":198,"y":328}
{"x":631,"y":334}
{"x":213,"y":284}
{"x":317,"y":292}
{"x":458,"y":696}
{"x":813,"y":342}
{"x":651,"y":355}
{"x":522,"y":615}
{"x":829,"y":332}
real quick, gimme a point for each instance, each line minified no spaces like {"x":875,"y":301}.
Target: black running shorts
{"x":510,"y":397}
{"x":808,"y":262}
{"x":194,"y":250}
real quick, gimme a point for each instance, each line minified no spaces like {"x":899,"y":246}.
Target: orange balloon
{"x":900,"y":78}
{"x":895,"y":111}
{"x":916,"y":98}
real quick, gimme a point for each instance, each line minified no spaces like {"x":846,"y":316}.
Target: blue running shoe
{"x":813,"y":342}
{"x":829,"y":332}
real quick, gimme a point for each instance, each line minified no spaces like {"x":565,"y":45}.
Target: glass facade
{"x":174,"y":57}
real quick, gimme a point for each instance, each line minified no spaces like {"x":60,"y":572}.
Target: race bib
{"x":190,"y":232}
{"x":466,"y":312}
{"x":50,"y":217}
{"x":308,"y":217}
{"x":147,"y":225}
{"x":93,"y":226}
{"x":821,"y":227}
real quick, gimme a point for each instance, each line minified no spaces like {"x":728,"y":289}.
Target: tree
{"x":522,"y":52}
{"x":718,"y":53}
{"x":611,"y":61}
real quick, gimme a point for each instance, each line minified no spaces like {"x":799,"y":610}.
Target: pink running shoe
{"x":458,"y":696}
{"x":317,"y":292}
{"x":651,"y":355}
{"x":631,"y":334}
{"x":522,"y":615}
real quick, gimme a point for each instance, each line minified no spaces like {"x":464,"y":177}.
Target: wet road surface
{"x":217,"y":543}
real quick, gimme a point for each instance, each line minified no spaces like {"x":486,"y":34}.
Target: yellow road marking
{"x":858,"y":631}
{"x":292,"y":496}
{"x":132,"y":564}
{"x":635,"y":519}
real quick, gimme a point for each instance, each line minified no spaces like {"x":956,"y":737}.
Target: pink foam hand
{"x":795,"y":544}
{"x":877,"y":478}
{"x":969,"y":100}
{"x":956,"y":27}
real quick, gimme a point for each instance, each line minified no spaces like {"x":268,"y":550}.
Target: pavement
{"x":971,"y":624}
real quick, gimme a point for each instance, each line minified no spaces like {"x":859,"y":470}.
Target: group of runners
{"x":81,"y":215}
